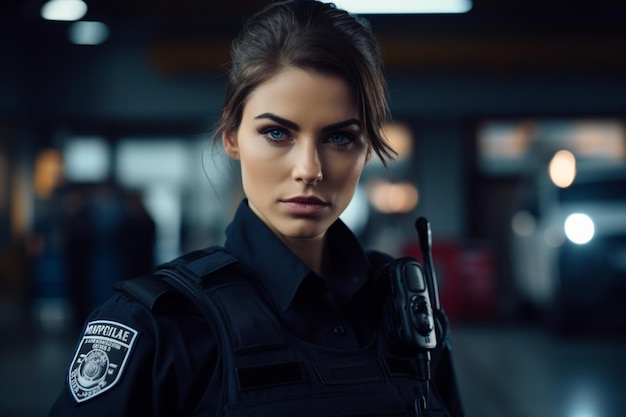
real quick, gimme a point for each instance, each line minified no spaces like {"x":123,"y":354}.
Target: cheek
{"x":346,"y":174}
{"x":259,"y":168}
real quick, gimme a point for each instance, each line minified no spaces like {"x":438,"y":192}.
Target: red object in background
{"x":478,"y":271}
{"x":466,"y":279}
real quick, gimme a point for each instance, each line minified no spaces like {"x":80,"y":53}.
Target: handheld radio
{"x":413,"y":297}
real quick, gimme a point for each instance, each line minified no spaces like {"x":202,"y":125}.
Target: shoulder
{"x":125,"y":319}
{"x":126,"y":346}
{"x":157,"y":293}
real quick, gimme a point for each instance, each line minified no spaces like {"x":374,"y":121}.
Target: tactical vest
{"x":270,"y":372}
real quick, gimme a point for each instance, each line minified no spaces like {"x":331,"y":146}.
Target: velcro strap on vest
{"x":348,"y":373}
{"x":153,"y":293}
{"x":205,"y":265}
{"x":269,"y":375}
{"x":252,"y":325}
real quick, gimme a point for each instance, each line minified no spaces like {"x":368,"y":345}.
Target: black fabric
{"x":282,"y":273}
{"x":147,"y":289}
{"x":175,"y":368}
{"x":334,"y":310}
{"x":269,"y":375}
{"x":332,"y":378}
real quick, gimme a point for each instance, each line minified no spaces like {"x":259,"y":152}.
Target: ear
{"x":229,"y":141}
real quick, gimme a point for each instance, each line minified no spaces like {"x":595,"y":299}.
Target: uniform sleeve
{"x":129,"y":361}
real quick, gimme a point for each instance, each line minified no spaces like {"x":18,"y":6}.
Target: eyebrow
{"x":291,"y":125}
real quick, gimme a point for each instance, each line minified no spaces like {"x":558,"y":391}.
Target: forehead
{"x":294,"y":90}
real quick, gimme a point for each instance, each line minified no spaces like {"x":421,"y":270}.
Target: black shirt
{"x":323,"y":310}
{"x":172,"y":367}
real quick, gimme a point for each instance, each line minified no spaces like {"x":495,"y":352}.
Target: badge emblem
{"x":100,"y":358}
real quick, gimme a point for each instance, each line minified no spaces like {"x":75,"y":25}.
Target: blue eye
{"x":340,"y":138}
{"x":275,"y":134}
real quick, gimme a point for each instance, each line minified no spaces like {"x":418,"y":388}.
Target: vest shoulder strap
{"x":195,"y":282}
{"x":153,"y":292}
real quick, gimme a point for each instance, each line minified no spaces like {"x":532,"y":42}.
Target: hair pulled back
{"x":312,"y":36}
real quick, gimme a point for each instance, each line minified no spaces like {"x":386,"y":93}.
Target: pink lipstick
{"x":304,"y":205}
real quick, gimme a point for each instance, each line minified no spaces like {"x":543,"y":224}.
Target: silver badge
{"x":100,"y":358}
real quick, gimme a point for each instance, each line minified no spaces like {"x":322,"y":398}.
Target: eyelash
{"x":349,"y":137}
{"x":267,"y":131}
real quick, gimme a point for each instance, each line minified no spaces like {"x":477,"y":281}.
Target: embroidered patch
{"x":100,"y":358}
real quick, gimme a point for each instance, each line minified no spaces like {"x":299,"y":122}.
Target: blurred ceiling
{"x":495,"y":34}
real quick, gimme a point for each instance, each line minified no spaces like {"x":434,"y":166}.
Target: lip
{"x":303,"y":205}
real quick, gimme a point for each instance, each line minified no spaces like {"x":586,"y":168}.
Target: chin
{"x":304,"y":232}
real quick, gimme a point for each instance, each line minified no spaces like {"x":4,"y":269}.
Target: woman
{"x":286,"y":319}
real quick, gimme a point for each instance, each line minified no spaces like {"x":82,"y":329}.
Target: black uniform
{"x":166,"y":362}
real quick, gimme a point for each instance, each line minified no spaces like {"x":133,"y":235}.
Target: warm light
{"x":88,"y":33}
{"x":48,"y":172}
{"x":562,"y":169}
{"x":508,"y":141}
{"x":400,"y":138}
{"x":393,"y":198}
{"x":600,"y":139}
{"x":64,"y":10}
{"x":404,"y":6}
{"x":579,"y":228}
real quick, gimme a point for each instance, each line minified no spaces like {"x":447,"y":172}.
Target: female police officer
{"x":287,"y":320}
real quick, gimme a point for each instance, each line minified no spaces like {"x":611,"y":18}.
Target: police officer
{"x":287,"y":317}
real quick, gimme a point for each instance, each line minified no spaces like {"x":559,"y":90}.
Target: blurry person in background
{"x":79,"y":241}
{"x":287,"y":319}
{"x":137,"y":236}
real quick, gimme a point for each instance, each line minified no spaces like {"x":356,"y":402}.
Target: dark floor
{"x":503,"y":370}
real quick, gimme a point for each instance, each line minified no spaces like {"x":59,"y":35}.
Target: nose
{"x":307,"y":165}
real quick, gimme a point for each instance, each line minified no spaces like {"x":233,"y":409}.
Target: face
{"x":302,"y":151}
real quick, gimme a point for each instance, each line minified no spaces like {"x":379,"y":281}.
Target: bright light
{"x":86,"y":159}
{"x":562,"y":169}
{"x":579,"y":228}
{"x":88,"y":33}
{"x":140,"y":162}
{"x":356,"y":214}
{"x":404,"y":6}
{"x":65,"y":10}
{"x":584,"y":400}
{"x":393,"y":198}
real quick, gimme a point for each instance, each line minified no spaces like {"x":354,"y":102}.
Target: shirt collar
{"x":280,"y":271}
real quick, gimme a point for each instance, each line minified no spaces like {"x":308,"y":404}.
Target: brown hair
{"x":310,"y":35}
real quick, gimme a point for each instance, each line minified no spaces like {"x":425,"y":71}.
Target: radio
{"x":410,"y":319}
{"x":413,"y":296}
{"x":411,"y":300}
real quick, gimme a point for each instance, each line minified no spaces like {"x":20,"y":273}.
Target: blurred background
{"x":510,"y":122}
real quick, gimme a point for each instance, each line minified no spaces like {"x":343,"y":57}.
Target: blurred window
{"x":160,"y":169}
{"x":145,"y":161}
{"x":86,"y":159}
{"x":517,"y":146}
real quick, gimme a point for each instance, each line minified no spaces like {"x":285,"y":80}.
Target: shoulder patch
{"x":100,"y":358}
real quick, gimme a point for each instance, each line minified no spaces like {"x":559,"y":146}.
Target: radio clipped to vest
{"x":412,"y":296}
{"x":410,"y":304}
